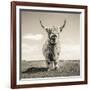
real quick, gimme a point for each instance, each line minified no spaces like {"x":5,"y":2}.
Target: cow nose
{"x":54,"y":36}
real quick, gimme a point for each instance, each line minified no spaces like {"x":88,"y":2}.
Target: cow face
{"x":53,"y":35}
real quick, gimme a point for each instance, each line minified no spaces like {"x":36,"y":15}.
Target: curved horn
{"x":63,"y":25}
{"x":42,"y":24}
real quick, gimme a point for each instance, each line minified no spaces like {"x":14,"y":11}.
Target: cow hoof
{"x":48,"y":69}
{"x":56,"y":68}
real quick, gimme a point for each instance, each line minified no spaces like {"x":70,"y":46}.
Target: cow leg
{"x":52,"y":65}
{"x":48,"y":65}
{"x":56,"y":64}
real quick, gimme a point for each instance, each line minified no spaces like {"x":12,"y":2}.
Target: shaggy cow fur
{"x":51,"y":48}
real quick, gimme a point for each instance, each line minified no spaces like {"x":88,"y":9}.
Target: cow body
{"x":51,"y":48}
{"x":51,"y":54}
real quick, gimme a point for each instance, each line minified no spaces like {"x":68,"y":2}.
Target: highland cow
{"x":51,"y":48}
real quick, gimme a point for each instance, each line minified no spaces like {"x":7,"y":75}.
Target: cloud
{"x":29,"y":48}
{"x":31,"y":52}
{"x":33,"y":36}
{"x":70,"y":47}
{"x":70,"y":52}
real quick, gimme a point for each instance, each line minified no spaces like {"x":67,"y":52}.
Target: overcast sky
{"x":33,"y":36}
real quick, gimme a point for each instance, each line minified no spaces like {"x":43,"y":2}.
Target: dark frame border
{"x":13,"y":44}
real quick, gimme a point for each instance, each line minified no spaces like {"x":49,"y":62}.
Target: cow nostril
{"x":53,"y":39}
{"x":54,"y":36}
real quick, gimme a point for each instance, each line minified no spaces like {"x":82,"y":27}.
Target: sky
{"x":33,"y":36}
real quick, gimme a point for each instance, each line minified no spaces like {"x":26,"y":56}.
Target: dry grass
{"x":37,"y":69}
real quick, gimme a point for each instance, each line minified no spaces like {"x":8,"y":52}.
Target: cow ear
{"x":60,"y":29}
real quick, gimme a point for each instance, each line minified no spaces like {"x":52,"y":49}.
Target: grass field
{"x":38,"y":69}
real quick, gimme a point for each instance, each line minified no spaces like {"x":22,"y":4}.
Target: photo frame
{"x":36,"y":29}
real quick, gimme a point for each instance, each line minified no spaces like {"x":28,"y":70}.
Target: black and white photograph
{"x":49,"y":44}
